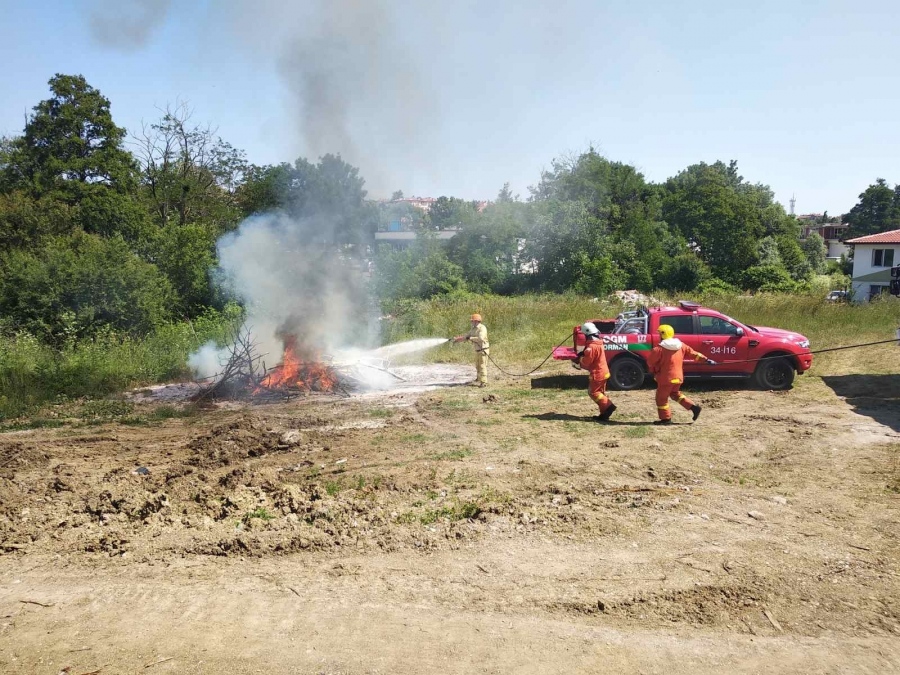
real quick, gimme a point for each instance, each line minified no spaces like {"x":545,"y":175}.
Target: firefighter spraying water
{"x":478,"y":336}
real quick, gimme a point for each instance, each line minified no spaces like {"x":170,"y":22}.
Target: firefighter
{"x":478,"y":336}
{"x":665,"y":363}
{"x":593,"y":360}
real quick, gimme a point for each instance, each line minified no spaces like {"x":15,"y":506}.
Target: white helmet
{"x":589,"y":329}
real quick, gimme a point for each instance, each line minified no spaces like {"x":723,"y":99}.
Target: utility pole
{"x":793,"y":202}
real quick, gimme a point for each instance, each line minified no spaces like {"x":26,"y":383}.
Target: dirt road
{"x":459,"y":531}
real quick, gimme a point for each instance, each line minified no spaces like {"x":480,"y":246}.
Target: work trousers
{"x":666,"y":391}
{"x":597,"y":392}
{"x":481,"y":366}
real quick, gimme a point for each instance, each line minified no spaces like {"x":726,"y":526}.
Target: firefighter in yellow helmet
{"x":478,"y":336}
{"x":665,"y":363}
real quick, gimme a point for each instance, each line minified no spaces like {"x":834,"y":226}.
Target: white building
{"x":873,"y":257}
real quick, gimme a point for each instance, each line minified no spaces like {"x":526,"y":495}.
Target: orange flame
{"x":296,"y":373}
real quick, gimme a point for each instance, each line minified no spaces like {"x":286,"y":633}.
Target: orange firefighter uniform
{"x":593,"y":360}
{"x":666,"y":363}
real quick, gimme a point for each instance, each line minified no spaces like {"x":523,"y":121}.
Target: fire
{"x":295,"y":372}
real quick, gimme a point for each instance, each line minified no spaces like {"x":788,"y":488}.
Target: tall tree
{"x":71,"y":144}
{"x":189,"y":173}
{"x":816,"y":251}
{"x":72,"y":152}
{"x":450,"y":213}
{"x":878,"y":210}
{"x":718,"y":215}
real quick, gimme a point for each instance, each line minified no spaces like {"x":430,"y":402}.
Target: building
{"x":400,"y":238}
{"x":832,"y":232}
{"x":423,"y":203}
{"x":873,"y":257}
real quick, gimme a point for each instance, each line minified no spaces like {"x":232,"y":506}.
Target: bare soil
{"x":460,"y":530}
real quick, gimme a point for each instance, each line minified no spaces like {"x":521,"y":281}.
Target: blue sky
{"x":459,"y":99}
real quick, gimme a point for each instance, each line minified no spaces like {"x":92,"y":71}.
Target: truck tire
{"x":626,"y":373}
{"x":777,"y":374}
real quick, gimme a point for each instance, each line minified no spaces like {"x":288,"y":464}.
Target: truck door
{"x":722,"y":341}
{"x":685,"y":326}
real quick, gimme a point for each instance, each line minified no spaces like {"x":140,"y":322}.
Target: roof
{"x":892,"y":237}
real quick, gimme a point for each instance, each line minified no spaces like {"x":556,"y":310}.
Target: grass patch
{"x":637,"y":432}
{"x":454,"y":455}
{"x":381,"y":413}
{"x":466,"y":510}
{"x":261,"y":513}
{"x":33,"y":374}
{"x":32,"y":423}
{"x":333,"y":487}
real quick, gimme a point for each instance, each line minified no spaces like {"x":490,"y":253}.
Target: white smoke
{"x":289,"y":284}
{"x":206,"y":363}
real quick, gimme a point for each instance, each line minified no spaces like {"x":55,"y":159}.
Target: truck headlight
{"x":803,"y":344}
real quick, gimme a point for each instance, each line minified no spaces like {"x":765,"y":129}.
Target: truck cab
{"x":771,"y":356}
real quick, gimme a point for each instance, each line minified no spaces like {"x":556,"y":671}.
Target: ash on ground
{"x":398,"y":379}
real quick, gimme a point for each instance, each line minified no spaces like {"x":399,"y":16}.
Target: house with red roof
{"x":873,"y":257}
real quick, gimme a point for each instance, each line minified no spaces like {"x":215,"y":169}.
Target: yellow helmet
{"x":666,"y":331}
{"x":476,"y":317}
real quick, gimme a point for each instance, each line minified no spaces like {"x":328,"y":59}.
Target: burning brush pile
{"x":245,"y":376}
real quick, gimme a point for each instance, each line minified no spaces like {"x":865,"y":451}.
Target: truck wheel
{"x":626,"y":373}
{"x":775,"y":374}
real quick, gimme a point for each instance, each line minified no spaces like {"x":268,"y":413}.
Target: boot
{"x":663,"y":422}
{"x":605,"y":415}
{"x":696,"y":410}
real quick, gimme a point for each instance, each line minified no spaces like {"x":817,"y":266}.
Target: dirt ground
{"x":460,"y":530}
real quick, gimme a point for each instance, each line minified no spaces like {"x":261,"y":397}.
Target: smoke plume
{"x":356,"y":89}
{"x":127,"y":24}
{"x":352,"y":87}
{"x":288,"y":286}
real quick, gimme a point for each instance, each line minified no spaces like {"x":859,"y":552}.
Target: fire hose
{"x":764,"y":358}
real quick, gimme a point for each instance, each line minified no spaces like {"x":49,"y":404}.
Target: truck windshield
{"x":738,"y":323}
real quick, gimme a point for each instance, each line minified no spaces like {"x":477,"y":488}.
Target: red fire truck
{"x":735,"y":346}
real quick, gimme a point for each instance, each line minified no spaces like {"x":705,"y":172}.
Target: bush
{"x":71,"y":287}
{"x":770,"y":278}
{"x":716,"y":287}
{"x":32,"y":373}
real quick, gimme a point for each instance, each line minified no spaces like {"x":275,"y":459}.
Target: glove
{"x":710,"y":362}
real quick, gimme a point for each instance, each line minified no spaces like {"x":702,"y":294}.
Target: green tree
{"x":878,"y":210}
{"x":190,"y":175}
{"x":619,"y":216}
{"x":773,"y":278}
{"x":73,"y":286}
{"x":186,"y":254}
{"x":488,"y":250}
{"x":25,"y":221}
{"x":448,"y":213}
{"x":265,"y":188}
{"x":506,"y":196}
{"x":768,"y":252}
{"x":816,"y":251}
{"x":793,"y":258}
{"x":684,"y":273}
{"x":420,"y":271}
{"x":397,"y":196}
{"x":72,"y":152}
{"x":722,"y":217}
